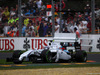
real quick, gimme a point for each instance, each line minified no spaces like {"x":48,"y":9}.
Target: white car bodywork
{"x":29,"y":52}
{"x":54,"y":48}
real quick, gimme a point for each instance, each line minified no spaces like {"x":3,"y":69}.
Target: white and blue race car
{"x":55,"y":52}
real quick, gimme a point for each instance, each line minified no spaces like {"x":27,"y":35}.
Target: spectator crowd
{"x":35,"y":23}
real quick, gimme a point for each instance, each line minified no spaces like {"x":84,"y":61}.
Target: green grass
{"x":46,"y":67}
{"x":9,"y":51}
{"x":29,"y":65}
{"x":93,"y":52}
{"x":3,"y":62}
{"x":50,"y":66}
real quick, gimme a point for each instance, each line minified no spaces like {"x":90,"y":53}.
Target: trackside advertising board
{"x":88,"y":42}
{"x":23,"y":43}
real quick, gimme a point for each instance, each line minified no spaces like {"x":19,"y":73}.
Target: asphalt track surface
{"x":91,"y":57}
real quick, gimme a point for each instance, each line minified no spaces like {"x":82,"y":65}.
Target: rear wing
{"x":65,"y":37}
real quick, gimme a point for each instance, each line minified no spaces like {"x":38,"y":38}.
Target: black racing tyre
{"x":81,"y":56}
{"x":16,"y":56}
{"x":46,"y":56}
{"x":33,"y":58}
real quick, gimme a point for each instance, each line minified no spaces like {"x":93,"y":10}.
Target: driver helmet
{"x":46,"y":48}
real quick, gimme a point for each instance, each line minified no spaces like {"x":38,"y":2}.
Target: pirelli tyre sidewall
{"x":81,"y":56}
{"x":16,"y":56}
{"x":46,"y":56}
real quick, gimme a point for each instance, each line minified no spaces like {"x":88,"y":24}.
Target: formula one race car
{"x":55,"y":52}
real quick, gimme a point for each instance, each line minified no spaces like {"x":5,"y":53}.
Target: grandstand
{"x":36,"y":22}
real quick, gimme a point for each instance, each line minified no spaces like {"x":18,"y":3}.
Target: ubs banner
{"x":23,"y":43}
{"x":90,"y":43}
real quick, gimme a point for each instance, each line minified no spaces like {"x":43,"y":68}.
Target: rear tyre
{"x":81,"y":56}
{"x":46,"y":56}
{"x":16,"y":56}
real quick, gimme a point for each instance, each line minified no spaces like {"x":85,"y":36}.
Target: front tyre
{"x":16,"y":56}
{"x":46,"y":56}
